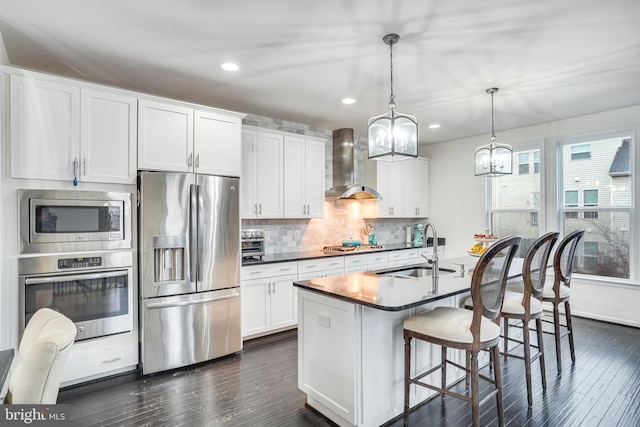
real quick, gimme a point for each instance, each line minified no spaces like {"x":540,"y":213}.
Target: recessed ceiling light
{"x":348,"y":101}
{"x":229,"y":66}
{"x":434,"y":126}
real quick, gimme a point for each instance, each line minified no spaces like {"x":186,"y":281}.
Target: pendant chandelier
{"x":393,"y":135}
{"x":494,"y":159}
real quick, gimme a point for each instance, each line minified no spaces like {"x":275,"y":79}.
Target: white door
{"x":165,"y":136}
{"x":284,"y":302}
{"x":248,"y":205}
{"x":314,"y":178}
{"x":45,"y":129}
{"x":217,"y":144}
{"x":294,"y":177}
{"x":269,"y":175}
{"x":108,"y":125}
{"x":255,"y":306}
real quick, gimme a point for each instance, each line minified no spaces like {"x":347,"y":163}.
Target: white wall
{"x":457,"y":200}
{"x":4,"y":57}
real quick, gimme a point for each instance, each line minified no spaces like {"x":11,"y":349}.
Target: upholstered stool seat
{"x":452,"y":324}
{"x":564,"y":293}
{"x":513,"y":304}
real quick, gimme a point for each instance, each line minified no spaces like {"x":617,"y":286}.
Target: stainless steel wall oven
{"x":71,"y":221}
{"x":94,"y":290}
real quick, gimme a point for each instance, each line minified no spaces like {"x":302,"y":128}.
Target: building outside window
{"x":515,"y":199}
{"x":595,"y":179}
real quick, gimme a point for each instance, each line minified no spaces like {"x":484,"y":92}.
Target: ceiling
{"x":551,"y":59}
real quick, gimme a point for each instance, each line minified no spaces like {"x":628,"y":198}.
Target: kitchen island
{"x":350,"y":338}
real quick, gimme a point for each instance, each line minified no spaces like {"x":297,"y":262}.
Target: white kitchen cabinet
{"x":403,"y":185}
{"x":365,"y":262}
{"x":165,"y":136}
{"x":320,"y":267}
{"x":108,"y":124}
{"x":416,"y":188}
{"x":304,"y":160}
{"x":261,"y":185}
{"x":178,"y":138}
{"x":269,"y":299}
{"x":61,"y":131}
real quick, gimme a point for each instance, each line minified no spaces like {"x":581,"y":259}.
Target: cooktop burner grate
{"x":340,"y":249}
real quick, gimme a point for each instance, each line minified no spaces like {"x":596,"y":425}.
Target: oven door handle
{"x":156,"y":305}
{"x":72,"y":277}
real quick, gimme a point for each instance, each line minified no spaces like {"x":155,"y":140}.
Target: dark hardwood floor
{"x":258,"y":387}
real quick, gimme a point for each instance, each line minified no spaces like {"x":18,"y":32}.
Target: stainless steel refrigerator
{"x":189,"y":243}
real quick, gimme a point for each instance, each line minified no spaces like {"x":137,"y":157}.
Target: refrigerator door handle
{"x":199,"y":229}
{"x":191,"y":302}
{"x":193,"y":236}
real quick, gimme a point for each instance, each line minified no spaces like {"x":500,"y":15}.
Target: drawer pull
{"x":311,"y":266}
{"x":115,"y":359}
{"x":285,"y":269}
{"x":335,"y":263}
{"x":256,"y":272}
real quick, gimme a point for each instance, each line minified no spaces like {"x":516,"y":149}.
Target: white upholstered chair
{"x":472,"y":331}
{"x":42,"y":356}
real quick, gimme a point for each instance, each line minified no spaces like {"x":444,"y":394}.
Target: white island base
{"x":351,"y":359}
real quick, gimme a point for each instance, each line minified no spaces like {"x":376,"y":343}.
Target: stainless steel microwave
{"x":71,"y":221}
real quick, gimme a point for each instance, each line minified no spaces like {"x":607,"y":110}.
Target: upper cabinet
{"x":404,"y":186}
{"x":304,"y":160}
{"x":61,"y":131}
{"x":282,"y":175}
{"x":261,"y":185}
{"x":176,"y":137}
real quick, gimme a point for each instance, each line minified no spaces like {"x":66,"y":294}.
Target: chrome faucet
{"x":434,"y":258}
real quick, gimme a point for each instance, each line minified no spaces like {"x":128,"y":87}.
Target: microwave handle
{"x":73,"y":277}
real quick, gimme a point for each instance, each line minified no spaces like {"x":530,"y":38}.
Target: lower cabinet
{"x":269,"y":299}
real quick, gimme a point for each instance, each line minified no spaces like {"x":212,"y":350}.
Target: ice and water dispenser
{"x":169,"y":258}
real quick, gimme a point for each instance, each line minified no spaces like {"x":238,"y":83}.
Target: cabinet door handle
{"x":84,"y":166}
{"x":260,"y":205}
{"x":255,"y":209}
{"x":197,"y":160}
{"x":115,"y":359}
{"x":190,"y":160}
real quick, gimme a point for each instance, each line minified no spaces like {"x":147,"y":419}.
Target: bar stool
{"x":472,"y":331}
{"x":561,"y":292}
{"x":526,"y":306}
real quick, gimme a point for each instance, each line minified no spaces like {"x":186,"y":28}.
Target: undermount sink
{"x":418,"y":271}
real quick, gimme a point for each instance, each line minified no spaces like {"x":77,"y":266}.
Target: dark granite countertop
{"x":394,"y":293}
{"x":302,"y":255}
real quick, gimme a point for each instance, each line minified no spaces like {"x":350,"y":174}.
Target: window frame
{"x":561,"y":209}
{"x":531,"y":146}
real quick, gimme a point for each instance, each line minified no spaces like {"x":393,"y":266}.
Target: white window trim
{"x":634,"y":227}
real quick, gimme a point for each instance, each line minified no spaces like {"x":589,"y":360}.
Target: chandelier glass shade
{"x":392,"y":135}
{"x":494,"y":159}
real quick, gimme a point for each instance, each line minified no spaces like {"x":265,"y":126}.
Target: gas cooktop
{"x":340,"y":249}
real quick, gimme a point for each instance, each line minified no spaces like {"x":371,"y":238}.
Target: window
{"x":596,"y":196}
{"x":571,"y":198}
{"x":590,"y":198}
{"x":536,"y":161}
{"x":515,"y":200}
{"x":523,"y":163}
{"x":580,"y":151}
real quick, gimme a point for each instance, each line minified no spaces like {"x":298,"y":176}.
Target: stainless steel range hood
{"x":344,"y":186}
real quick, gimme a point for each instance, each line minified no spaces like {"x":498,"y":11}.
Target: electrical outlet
{"x":296,"y":234}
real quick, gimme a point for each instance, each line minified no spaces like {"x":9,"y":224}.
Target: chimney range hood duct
{"x":343,"y":170}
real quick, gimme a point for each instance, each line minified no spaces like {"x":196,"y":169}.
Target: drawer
{"x":320,"y":264}
{"x":95,"y":361}
{"x":403,"y":255}
{"x":268,"y":270}
{"x":324,"y":273}
{"x":381,"y":258}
